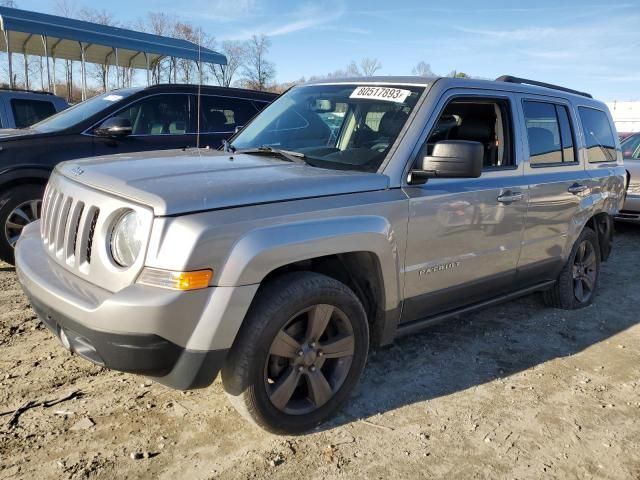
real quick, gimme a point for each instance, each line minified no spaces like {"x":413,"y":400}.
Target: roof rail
{"x":24,"y":90}
{"x":510,"y":79}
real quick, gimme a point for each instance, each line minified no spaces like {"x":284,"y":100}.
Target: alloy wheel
{"x":19,"y":217}
{"x":309,"y":359}
{"x":584,"y":271}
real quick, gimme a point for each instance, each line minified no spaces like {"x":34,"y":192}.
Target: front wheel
{"x":19,"y":206}
{"x":299,"y":353}
{"x":576,"y":284}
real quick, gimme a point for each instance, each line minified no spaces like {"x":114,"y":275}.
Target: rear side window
{"x":222,"y":115}
{"x":549,"y":132}
{"x":28,"y":112}
{"x":601,"y":144}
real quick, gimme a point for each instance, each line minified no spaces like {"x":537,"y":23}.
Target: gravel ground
{"x":515,"y":391}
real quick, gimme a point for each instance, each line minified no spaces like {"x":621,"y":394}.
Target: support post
{"x":46,"y":56}
{"x":26,"y":62}
{"x":83,"y":71}
{"x":54,"y":74}
{"x":115,"y":51}
{"x":146,"y":57}
{"x":53,"y":56}
{"x":9,"y":59}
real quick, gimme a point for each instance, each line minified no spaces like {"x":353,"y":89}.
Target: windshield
{"x":81,"y":111}
{"x":335,"y":126}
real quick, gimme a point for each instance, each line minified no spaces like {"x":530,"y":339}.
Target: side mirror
{"x":114,"y":127}
{"x":450,"y":159}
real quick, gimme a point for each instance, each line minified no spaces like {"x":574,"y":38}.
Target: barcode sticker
{"x":388,"y":94}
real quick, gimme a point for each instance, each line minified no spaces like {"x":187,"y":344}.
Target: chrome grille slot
{"x":56,"y":203}
{"x":46,"y":214}
{"x":61,"y":226}
{"x":92,"y":231}
{"x":71,"y":236}
{"x":45,"y":204}
{"x":85,"y":229}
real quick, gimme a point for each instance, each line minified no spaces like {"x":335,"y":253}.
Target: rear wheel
{"x":299,"y":353}
{"x":19,"y":206}
{"x":576,"y":284}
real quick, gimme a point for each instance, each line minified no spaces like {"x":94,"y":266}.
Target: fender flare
{"x":264,"y":250}
{"x":10,"y":176}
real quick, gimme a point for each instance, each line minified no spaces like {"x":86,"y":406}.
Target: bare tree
{"x":422,"y":69}
{"x":158,"y":24}
{"x":101,"y":17}
{"x":236,"y":53}
{"x":67,"y":8}
{"x":258,"y":71}
{"x":9,"y":3}
{"x":370,"y":66}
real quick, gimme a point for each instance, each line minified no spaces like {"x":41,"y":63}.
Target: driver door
{"x":465,"y":234}
{"x":159,"y":122}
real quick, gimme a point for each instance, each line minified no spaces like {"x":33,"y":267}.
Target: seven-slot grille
{"x":67,"y":227}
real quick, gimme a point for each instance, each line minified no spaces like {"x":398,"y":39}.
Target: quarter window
{"x":549,"y":133}
{"x":28,"y":112}
{"x":601,"y":144}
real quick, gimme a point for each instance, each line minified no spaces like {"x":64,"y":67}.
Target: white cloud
{"x":309,"y":16}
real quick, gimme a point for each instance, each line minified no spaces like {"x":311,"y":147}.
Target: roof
{"x":458,"y":82}
{"x":212,"y":89}
{"x":64,"y":34}
{"x":396,"y":80}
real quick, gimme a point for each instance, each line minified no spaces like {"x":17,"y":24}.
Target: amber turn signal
{"x":183,"y":281}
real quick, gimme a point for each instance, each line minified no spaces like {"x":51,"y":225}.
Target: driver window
{"x":486,"y":121}
{"x":158,"y":115}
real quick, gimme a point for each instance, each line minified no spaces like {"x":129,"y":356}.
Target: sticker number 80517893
{"x":388,"y":94}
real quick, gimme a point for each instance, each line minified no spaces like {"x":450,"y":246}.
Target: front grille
{"x":68,"y":227}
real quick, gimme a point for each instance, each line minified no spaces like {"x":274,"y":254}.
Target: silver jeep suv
{"x":345,"y":214}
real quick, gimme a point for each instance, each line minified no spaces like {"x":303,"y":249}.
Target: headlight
{"x":127,"y":239}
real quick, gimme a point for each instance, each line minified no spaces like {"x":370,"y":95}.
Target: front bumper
{"x":631,"y":210}
{"x":178,"y":338}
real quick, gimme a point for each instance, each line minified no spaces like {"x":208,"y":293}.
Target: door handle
{"x":510,"y":197}
{"x":576,"y":188}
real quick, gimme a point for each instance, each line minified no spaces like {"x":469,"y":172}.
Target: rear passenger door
{"x":221,"y":116}
{"x":557,"y":183}
{"x":464,"y":234}
{"x":159,"y":122}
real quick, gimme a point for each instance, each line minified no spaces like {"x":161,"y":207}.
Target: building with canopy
{"x":55,"y":37}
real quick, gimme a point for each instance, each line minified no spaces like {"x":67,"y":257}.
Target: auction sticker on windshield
{"x":388,"y":94}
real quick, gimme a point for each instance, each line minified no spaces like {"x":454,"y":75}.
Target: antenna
{"x":199,"y":91}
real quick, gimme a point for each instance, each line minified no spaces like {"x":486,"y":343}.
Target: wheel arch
{"x":24,"y":176}
{"x":358,"y":251}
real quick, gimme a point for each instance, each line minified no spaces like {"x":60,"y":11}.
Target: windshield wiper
{"x":288,"y":155}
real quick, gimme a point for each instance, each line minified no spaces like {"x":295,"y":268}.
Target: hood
{"x":9,"y":133}
{"x":176,"y":182}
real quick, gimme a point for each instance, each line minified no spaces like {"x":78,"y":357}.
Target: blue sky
{"x":591,"y":46}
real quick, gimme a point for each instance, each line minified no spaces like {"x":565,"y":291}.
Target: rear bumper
{"x":631,"y":210}
{"x":179,"y":338}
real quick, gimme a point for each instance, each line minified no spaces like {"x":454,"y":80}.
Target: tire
{"x":18,"y":206}
{"x":254,"y":377}
{"x":565,"y":293}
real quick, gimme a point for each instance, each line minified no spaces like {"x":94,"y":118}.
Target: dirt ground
{"x":516,"y":391}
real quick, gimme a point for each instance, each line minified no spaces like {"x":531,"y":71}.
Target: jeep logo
{"x":439,"y":268}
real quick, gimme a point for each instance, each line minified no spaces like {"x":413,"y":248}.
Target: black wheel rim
{"x":584,"y":271}
{"x":309,"y":359}
{"x":19,"y":218}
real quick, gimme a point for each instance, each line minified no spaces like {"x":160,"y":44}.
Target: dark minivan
{"x":159,"y":117}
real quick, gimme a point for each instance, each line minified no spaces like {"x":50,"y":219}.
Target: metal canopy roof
{"x":59,"y":37}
